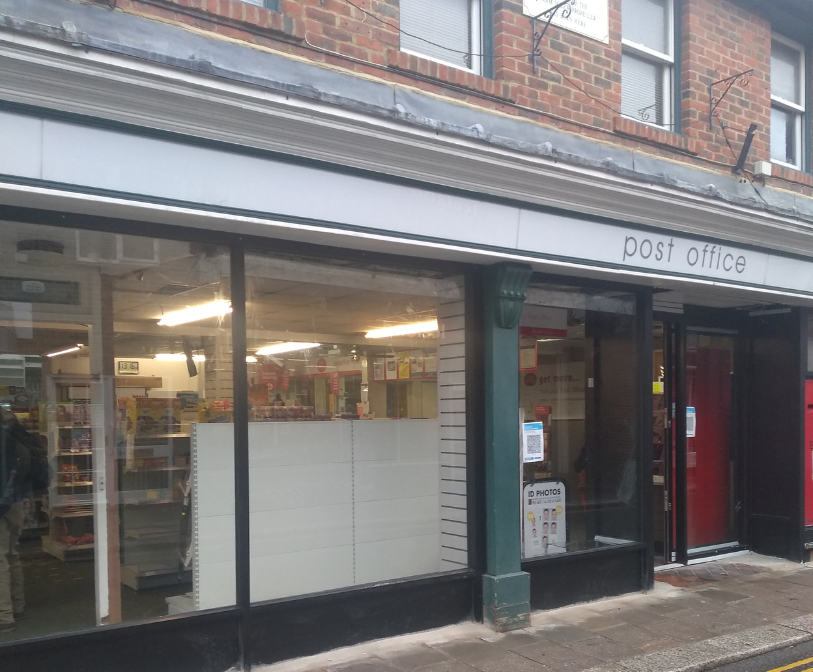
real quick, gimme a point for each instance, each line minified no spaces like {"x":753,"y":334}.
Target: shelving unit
{"x":70,"y":495}
{"x":153,"y":482}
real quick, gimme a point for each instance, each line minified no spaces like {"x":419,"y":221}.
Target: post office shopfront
{"x":280,"y":402}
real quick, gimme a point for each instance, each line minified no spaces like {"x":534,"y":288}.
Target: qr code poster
{"x":544,"y":519}
{"x":533,"y":442}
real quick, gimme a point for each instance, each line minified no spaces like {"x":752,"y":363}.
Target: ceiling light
{"x":75,"y":348}
{"x":279,"y":348}
{"x":404,"y":329}
{"x":251,"y":360}
{"x":195,"y":313}
{"x":177,"y":357}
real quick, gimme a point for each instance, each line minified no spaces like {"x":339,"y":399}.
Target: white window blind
{"x":647,"y":60}
{"x":785,"y":65}
{"x":645,"y":22}
{"x":642,"y":89}
{"x":439,"y":29}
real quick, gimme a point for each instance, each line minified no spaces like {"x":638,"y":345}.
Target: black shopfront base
{"x":585,"y":576}
{"x":269,"y":633}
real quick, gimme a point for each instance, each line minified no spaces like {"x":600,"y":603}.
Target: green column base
{"x":507,"y":601}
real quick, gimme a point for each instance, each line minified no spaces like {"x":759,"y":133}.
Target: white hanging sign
{"x":586,"y":17}
{"x":544,"y":523}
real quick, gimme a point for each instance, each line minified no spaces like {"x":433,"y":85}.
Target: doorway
{"x":694,"y":442}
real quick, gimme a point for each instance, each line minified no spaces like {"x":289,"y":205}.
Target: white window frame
{"x":667,"y":60}
{"x":797,"y":110}
{"x":476,"y":39}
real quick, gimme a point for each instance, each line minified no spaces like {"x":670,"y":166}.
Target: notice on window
{"x":416,"y":363}
{"x":430,"y":364}
{"x":586,"y":17}
{"x":691,"y":422}
{"x":527,"y":354}
{"x":544,"y":521}
{"x":533,"y":442}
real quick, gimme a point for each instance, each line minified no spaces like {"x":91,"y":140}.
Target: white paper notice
{"x":533,"y":442}
{"x":691,"y":422}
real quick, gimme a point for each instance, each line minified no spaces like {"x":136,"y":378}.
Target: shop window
{"x":115,"y":351}
{"x":443,"y":30}
{"x":357,"y":432}
{"x":578,"y":397}
{"x":787,"y":102}
{"x":647,"y":60}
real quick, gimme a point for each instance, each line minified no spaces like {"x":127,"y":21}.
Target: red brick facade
{"x":718,"y":39}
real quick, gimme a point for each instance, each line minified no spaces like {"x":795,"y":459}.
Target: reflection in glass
{"x":111,"y":357}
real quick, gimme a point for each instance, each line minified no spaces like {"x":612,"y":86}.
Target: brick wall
{"x":718,"y":39}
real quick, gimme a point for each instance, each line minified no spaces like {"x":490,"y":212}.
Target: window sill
{"x":403,"y":61}
{"x":794,"y":175}
{"x":654,"y":135}
{"x":238,"y":14}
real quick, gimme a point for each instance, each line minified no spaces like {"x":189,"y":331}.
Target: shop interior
{"x":116,"y":353}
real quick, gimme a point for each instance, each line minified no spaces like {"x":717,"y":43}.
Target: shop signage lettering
{"x":706,"y":256}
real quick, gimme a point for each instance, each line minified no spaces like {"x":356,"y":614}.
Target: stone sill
{"x":791,"y":175}
{"x":657,"y":136}
{"x":445,"y":74}
{"x":240,"y":15}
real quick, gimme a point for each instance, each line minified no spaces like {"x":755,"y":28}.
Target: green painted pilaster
{"x":506,"y":589}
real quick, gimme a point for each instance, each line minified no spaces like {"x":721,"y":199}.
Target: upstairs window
{"x":647,"y":60}
{"x":443,"y":30}
{"x":787,"y":102}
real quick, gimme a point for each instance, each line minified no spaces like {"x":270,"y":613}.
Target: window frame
{"x":665,"y":60}
{"x":476,"y":41}
{"x":799,"y":111}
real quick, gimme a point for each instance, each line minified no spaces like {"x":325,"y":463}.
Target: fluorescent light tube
{"x":75,"y":348}
{"x":250,"y":359}
{"x":279,"y":348}
{"x":196,"y":313}
{"x":404,"y":329}
{"x":177,"y":357}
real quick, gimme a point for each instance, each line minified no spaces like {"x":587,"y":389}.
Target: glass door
{"x":662,"y":442}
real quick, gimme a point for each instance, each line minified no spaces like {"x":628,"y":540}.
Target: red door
{"x":709,"y":482}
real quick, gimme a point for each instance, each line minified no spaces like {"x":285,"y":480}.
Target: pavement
{"x":696,"y":618}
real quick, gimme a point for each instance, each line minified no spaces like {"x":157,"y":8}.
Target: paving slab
{"x":703,"y":617}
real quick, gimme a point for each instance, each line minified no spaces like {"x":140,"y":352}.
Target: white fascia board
{"x":112,"y":87}
{"x":106,"y":206}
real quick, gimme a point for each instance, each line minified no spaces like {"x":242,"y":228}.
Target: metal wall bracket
{"x":547,"y":14}
{"x":744,"y":78}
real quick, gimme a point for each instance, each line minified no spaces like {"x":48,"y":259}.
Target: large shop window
{"x":578,"y":398}
{"x":357,"y":436}
{"x":115,"y":356}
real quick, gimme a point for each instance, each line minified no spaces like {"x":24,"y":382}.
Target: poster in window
{"x":403,"y":365}
{"x":691,"y":422}
{"x":527,"y":354}
{"x":544,"y":519}
{"x":416,"y":363}
{"x":378,"y":368}
{"x":392,"y":367}
{"x":430,"y":364}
